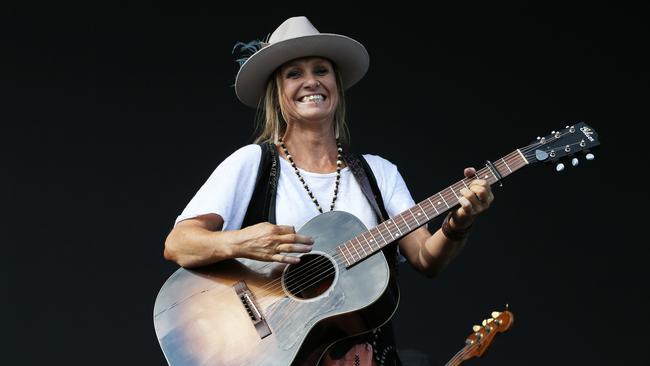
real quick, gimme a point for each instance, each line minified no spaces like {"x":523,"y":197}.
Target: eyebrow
{"x":320,"y":62}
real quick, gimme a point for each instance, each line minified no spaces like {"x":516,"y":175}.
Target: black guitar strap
{"x":366,"y":179}
{"x":262,"y":205}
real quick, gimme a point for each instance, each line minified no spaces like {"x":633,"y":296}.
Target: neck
{"x":313,"y":148}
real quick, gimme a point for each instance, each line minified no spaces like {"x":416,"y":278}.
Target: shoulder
{"x":246,"y":153}
{"x":243,"y":160}
{"x":379,"y":165}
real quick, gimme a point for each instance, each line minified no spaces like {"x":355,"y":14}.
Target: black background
{"x":113,"y":116}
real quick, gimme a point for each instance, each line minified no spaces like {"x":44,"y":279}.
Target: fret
{"x":523,"y":157}
{"x":454,"y":192}
{"x":414,"y":217}
{"x":443,"y":199}
{"x":433,"y":205}
{"x":424,"y":212}
{"x":372,"y":240}
{"x":375,"y":238}
{"x":380,"y":234}
{"x":355,"y":249}
{"x":347,"y":262}
{"x":348,"y":249}
{"x":397,"y":227}
{"x":407,"y":224}
{"x":369,"y":242}
{"x":504,"y":162}
{"x":364,"y":251}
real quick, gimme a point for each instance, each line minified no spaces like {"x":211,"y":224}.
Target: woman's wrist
{"x":452,"y":232}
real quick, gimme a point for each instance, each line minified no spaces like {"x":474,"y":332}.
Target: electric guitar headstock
{"x":482,"y":336}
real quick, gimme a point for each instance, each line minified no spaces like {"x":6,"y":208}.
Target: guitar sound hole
{"x":311,"y":277}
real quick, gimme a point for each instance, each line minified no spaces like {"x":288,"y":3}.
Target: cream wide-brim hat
{"x":296,"y":38}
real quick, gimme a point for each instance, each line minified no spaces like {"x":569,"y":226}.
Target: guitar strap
{"x":262,"y":205}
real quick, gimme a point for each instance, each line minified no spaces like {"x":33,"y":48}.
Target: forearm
{"x":194,"y":246}
{"x":436,"y":252}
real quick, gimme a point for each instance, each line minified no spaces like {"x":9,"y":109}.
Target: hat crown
{"x":293,"y":28}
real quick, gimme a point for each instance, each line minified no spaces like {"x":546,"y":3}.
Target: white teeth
{"x":316,"y":98}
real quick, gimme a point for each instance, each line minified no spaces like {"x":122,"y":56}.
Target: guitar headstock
{"x":483,"y":335}
{"x":563,"y":143}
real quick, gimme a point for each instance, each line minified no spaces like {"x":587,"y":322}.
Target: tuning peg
{"x":559,"y":167}
{"x":495,"y":314}
{"x":486,"y":321}
{"x":575,"y":161}
{"x":589,"y":156}
{"x":476,"y":328}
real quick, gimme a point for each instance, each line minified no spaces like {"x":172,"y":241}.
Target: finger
{"x":293,"y":248}
{"x":286,"y":229}
{"x":295,"y":238}
{"x":285,"y":259}
{"x":480,"y":192}
{"x":471,"y":196}
{"x":466,"y":205}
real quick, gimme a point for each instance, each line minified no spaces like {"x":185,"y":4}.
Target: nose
{"x":313,"y":84}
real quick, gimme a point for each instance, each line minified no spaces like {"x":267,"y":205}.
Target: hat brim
{"x":350,"y":57}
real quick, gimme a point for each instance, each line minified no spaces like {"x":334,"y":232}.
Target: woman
{"x":298,"y":79}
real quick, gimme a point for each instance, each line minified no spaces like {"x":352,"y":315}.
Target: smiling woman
{"x":259,"y":298}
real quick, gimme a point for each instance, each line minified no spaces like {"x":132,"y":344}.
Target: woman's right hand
{"x":268,"y":242}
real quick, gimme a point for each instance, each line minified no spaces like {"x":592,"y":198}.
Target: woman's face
{"x":308,"y":89}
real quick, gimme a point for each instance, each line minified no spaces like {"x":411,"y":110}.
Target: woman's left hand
{"x":472,"y":201}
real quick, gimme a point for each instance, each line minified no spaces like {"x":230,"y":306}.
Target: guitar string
{"x":487,"y":338}
{"x":316,"y":264}
{"x":317,"y":280}
{"x":328,"y":272}
{"x":411,"y":222}
{"x":319,"y":262}
{"x":291,"y":281}
{"x":305,"y":285}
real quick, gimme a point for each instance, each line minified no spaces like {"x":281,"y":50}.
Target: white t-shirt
{"x":228,"y":191}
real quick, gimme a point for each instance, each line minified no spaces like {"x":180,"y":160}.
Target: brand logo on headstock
{"x":588,"y":132}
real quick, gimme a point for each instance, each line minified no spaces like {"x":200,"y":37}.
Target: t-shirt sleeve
{"x":228,"y":190}
{"x":394,"y":191}
{"x":396,"y":195}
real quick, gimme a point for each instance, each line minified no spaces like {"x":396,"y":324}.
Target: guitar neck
{"x":460,"y":356}
{"x":373,"y":240}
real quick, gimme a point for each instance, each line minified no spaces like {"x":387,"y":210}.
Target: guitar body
{"x":201,"y":318}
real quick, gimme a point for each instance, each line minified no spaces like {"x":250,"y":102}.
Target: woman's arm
{"x":199,"y":241}
{"x":430,"y":253}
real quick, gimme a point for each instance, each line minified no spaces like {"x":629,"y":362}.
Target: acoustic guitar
{"x":482,"y":336}
{"x":247,"y":312}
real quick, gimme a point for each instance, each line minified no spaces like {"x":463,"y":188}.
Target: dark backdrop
{"x":114,"y":116}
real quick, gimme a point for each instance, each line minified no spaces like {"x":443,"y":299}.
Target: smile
{"x":314,"y":98}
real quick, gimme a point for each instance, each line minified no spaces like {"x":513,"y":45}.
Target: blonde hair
{"x":271,"y":120}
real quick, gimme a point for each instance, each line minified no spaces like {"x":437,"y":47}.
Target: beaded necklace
{"x":339,"y":162}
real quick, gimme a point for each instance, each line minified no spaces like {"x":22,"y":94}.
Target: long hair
{"x":272,"y":122}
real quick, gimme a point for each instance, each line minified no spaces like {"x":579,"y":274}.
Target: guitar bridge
{"x":248,"y":302}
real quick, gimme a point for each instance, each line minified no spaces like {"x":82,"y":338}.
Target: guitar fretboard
{"x":373,"y":240}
